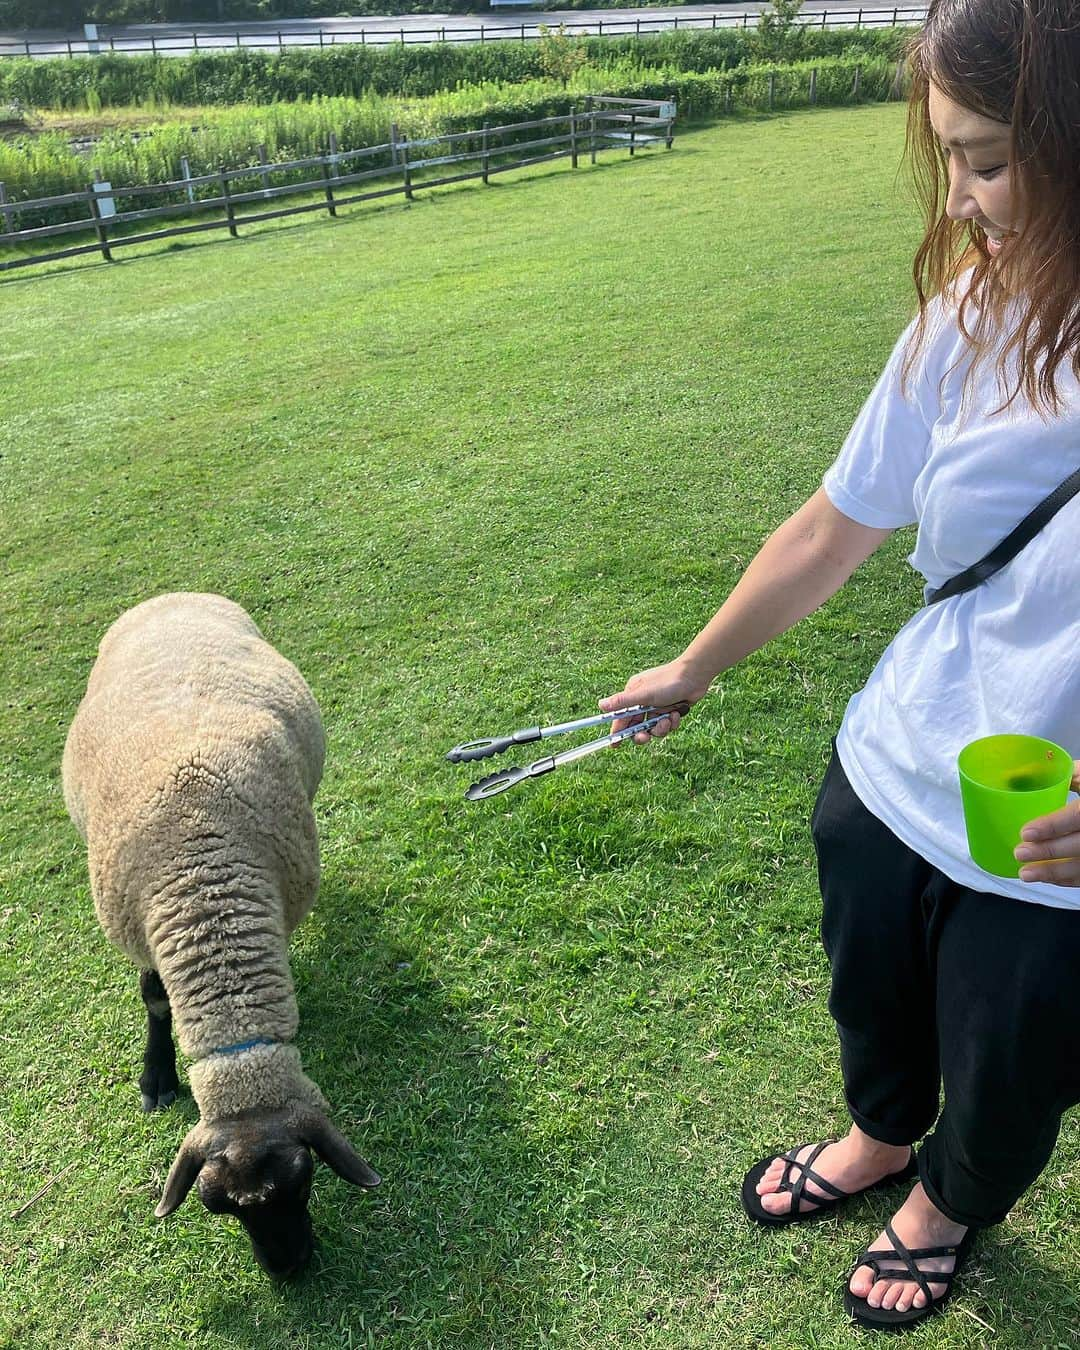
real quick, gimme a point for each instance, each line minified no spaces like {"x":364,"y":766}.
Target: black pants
{"x":937,"y":985}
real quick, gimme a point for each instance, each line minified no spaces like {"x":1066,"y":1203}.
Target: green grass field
{"x":471,"y":463}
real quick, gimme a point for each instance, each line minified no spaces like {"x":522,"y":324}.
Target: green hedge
{"x":230,"y":137}
{"x":413,"y":70}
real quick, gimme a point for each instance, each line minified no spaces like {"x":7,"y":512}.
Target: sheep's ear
{"x":182,"y":1174}
{"x":336,"y":1151}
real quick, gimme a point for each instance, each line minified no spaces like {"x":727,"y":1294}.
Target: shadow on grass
{"x":271,"y":229}
{"x":443,"y":1248}
{"x":1036,"y":1307}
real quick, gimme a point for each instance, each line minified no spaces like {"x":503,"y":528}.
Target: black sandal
{"x":878,"y":1319}
{"x":751,"y":1201}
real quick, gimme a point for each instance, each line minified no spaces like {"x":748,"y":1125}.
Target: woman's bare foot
{"x":852,"y":1163}
{"x":917,"y":1224}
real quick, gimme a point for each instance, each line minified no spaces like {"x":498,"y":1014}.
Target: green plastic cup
{"x":1005,"y":782}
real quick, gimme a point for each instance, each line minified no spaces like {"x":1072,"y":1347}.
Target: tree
{"x":561,"y":57}
{"x":779,"y":30}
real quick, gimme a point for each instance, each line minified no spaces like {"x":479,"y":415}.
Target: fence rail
{"x":176,"y":44}
{"x":640,"y":123}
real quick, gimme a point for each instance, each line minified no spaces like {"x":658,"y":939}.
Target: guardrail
{"x":606,"y":123}
{"x":176,"y":44}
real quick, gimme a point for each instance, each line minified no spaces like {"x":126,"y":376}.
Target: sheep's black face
{"x":257,"y":1168}
{"x":258,"y":1172}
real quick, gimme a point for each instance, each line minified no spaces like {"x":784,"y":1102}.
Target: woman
{"x":943,"y":975}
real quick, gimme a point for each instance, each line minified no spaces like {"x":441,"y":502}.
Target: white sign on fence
{"x":106,"y":205}
{"x":667,"y":110}
{"x":90,"y":29}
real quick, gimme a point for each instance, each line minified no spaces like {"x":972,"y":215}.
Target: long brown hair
{"x":1017,"y":62}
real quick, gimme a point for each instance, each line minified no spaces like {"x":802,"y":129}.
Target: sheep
{"x":189,"y":770}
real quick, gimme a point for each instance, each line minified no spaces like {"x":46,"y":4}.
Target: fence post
{"x":185,"y":173}
{"x":99,"y":224}
{"x":896,"y":11}
{"x":393,"y":145}
{"x":813,"y":86}
{"x":858,"y":79}
{"x":404,"y":147}
{"x":484,"y":158}
{"x":229,"y":212}
{"x":5,"y":211}
{"x":573,"y":144}
{"x":633,"y":126}
{"x":858,"y":21}
{"x":591,"y":111}
{"x":330,"y":159}
{"x":824,"y":16}
{"x":671,"y":123}
{"x":264,"y":175}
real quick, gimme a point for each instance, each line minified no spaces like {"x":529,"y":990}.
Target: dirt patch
{"x":86,"y":126}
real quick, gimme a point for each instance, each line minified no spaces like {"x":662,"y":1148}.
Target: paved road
{"x":516,"y":22}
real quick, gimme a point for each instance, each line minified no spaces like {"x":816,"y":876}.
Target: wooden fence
{"x":606,"y":123}
{"x":279,"y":39}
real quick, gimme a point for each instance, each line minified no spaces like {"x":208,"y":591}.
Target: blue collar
{"x":241,"y":1047}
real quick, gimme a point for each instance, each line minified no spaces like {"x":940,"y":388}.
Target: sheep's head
{"x":257,"y":1168}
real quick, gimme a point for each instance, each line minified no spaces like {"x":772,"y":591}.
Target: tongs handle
{"x":506,"y":778}
{"x":491,"y":745}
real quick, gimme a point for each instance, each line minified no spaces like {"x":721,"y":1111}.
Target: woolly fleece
{"x":190,"y":769}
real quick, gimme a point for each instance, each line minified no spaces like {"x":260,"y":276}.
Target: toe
{"x":892,"y":1295}
{"x":876,"y":1296}
{"x":770,"y":1178}
{"x":862,"y":1282}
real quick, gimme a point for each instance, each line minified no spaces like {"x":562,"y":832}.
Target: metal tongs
{"x":507,"y":778}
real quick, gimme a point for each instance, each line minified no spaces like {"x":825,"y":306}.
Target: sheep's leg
{"x":158,"y":1083}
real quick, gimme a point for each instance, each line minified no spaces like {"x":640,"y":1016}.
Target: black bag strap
{"x":1009,"y":547}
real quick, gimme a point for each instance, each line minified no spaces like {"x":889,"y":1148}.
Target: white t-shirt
{"x":1003,"y":657}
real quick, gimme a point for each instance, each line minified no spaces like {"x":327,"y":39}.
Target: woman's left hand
{"x":1050,"y":846}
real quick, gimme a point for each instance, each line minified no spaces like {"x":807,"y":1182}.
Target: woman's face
{"x":977,"y":149}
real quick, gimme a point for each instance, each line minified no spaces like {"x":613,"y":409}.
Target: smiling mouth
{"x":995,"y":239}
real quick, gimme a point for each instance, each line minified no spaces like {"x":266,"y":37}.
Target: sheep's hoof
{"x":159,"y":1102}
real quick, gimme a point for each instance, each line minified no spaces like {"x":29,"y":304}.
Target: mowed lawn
{"x":470,"y":464}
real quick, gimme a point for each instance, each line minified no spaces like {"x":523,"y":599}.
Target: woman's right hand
{"x":660,"y":687}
